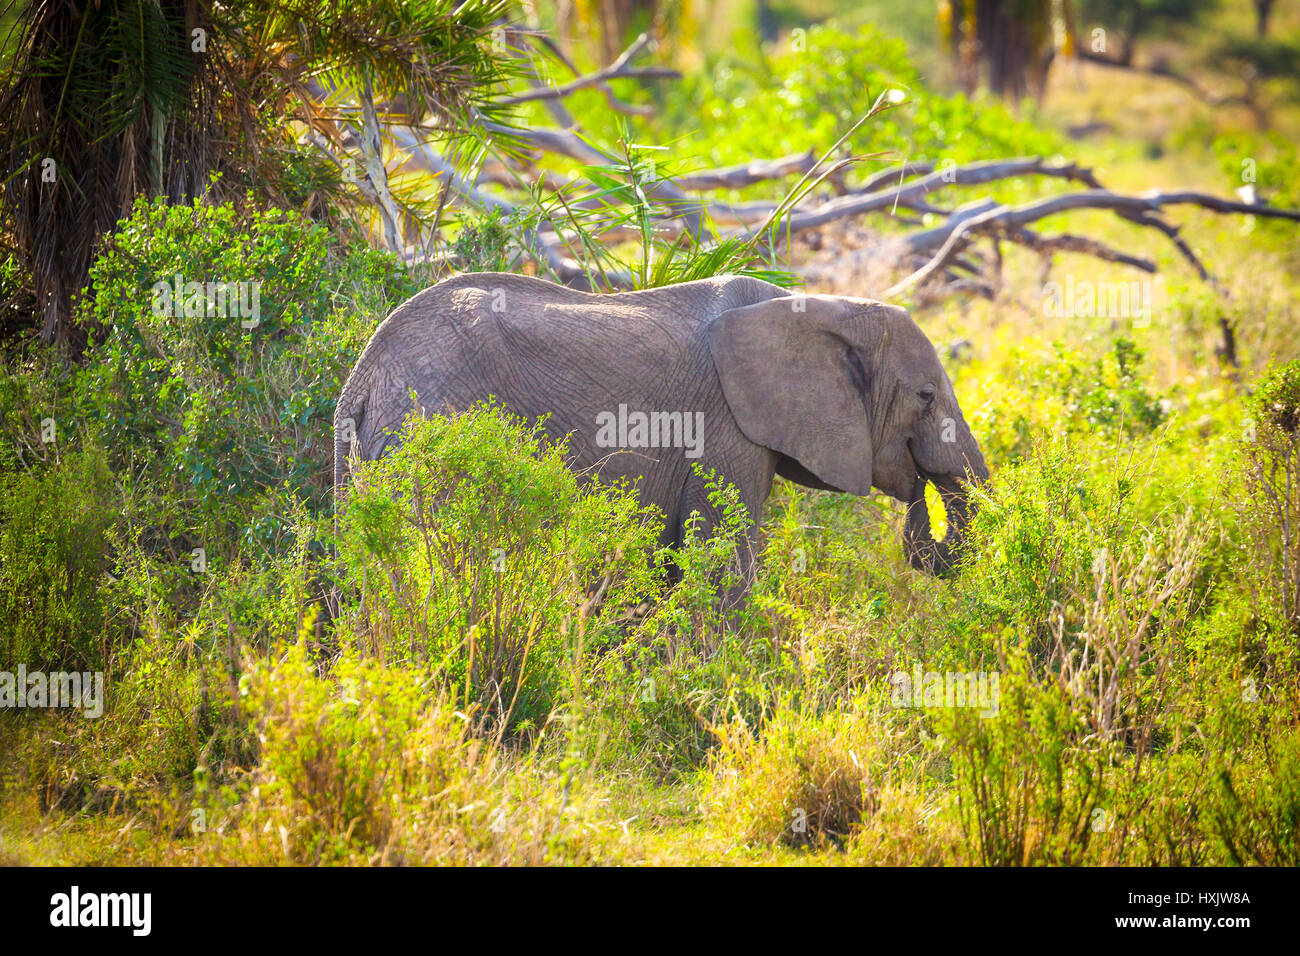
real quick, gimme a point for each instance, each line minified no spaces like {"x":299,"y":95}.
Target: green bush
{"x":700,"y":658}
{"x":653,"y":703}
{"x":1265,"y":161}
{"x":1109,"y":396}
{"x":1035,"y":540}
{"x":1271,"y":466}
{"x":222,"y":411}
{"x":1029,"y":779}
{"x":171,"y":728}
{"x":36,"y":418}
{"x":807,"y":98}
{"x":338,"y":754}
{"x":54,"y":556}
{"x":1254,"y":809}
{"x":1069,"y":393}
{"x":476,"y":548}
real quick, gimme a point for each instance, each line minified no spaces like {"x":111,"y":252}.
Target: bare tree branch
{"x":748,"y":173}
{"x":912,"y":195}
{"x":680,"y":207}
{"x":1068,"y":242}
{"x":619,"y":69}
{"x":1139,"y":209}
{"x":894,"y":175}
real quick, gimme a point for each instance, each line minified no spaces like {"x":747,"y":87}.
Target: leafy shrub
{"x":227,"y":406}
{"x":1034,"y":540}
{"x":487,"y":243}
{"x":806,"y":98}
{"x":335,"y":753}
{"x":1254,"y":808}
{"x":1265,"y":161}
{"x":1109,"y":396}
{"x":910,"y":827}
{"x":53,"y":559}
{"x":477,"y":548}
{"x":36,"y":419}
{"x":712,"y":571}
{"x":1069,"y":393}
{"x":1027,"y":779}
{"x":652,"y":702}
{"x":1277,"y":398}
{"x":822,"y":547}
{"x":1107,"y":671}
{"x":701,"y":657}
{"x":239,"y":604}
{"x":171,"y":725}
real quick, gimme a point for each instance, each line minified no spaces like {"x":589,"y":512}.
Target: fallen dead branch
{"x":682,"y":205}
{"x":1004,"y":220}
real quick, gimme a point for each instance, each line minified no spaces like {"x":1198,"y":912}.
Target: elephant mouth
{"x":924,"y":553}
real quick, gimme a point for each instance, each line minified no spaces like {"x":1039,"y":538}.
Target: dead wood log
{"x":1138,"y":209}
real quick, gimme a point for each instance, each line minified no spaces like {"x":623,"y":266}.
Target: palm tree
{"x":105,"y":100}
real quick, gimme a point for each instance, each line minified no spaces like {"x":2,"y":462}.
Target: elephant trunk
{"x":924,"y":553}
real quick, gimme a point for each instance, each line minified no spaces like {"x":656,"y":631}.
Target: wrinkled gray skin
{"x":830,"y":392}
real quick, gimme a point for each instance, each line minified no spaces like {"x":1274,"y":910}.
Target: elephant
{"x":741,"y":376}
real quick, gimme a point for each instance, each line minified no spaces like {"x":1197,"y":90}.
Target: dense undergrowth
{"x":1126,"y":622}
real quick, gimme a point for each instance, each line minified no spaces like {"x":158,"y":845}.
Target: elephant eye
{"x":927,"y":393}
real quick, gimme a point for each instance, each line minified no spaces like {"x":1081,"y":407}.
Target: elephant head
{"x":850,"y":393}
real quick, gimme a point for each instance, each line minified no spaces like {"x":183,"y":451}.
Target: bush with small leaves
{"x":220,"y":338}
{"x":473,"y":546}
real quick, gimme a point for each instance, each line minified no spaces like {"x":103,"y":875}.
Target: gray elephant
{"x":742,"y":376}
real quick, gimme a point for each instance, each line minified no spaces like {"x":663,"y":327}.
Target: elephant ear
{"x":795,"y":384}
